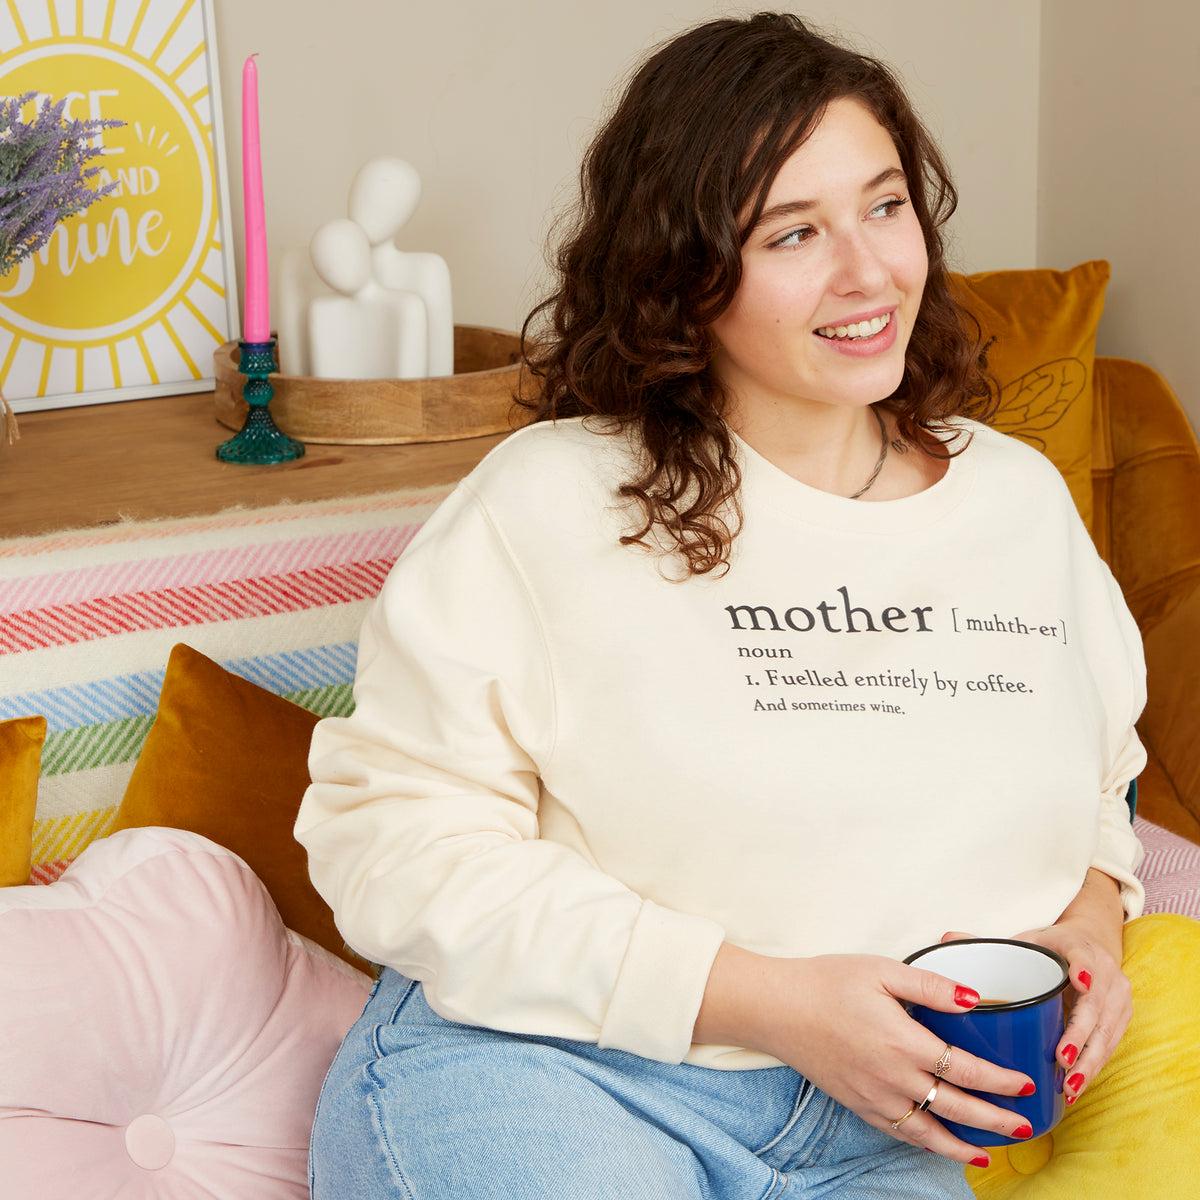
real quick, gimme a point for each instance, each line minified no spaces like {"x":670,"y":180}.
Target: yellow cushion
{"x":1133,"y":1133}
{"x":1043,"y":357}
{"x":228,"y":759}
{"x":20,"y":760}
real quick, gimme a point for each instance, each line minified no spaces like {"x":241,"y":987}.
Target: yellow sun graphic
{"x":133,"y":292}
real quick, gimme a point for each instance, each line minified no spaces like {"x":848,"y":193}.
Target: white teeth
{"x":861,"y":329}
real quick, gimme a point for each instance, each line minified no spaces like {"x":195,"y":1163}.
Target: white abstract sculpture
{"x":355,"y":306}
{"x":364,"y":330}
{"x":383,"y":196}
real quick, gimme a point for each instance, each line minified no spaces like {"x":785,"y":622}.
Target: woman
{"x":677,"y":728}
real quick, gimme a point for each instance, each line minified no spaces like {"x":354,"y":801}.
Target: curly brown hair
{"x":669,"y":191}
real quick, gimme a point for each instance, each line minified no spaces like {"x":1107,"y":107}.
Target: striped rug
{"x":88,"y":619}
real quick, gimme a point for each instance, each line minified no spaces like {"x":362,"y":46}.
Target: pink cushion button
{"x":150,"y":1142}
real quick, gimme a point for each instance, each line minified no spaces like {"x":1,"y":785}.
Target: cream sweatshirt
{"x":569,"y":776}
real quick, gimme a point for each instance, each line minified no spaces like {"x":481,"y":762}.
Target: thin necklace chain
{"x":883,"y":453}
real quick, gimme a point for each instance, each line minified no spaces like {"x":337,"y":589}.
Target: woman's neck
{"x":838,"y":450}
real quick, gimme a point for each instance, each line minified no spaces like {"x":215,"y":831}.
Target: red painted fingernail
{"x":1023,"y":1131}
{"x":1028,"y":1089}
{"x":1085,"y":978}
{"x":1070,"y":1054}
{"x":1075,"y":1082}
{"x":1072,"y":1099}
{"x":981,"y":1161}
{"x":965,"y":997}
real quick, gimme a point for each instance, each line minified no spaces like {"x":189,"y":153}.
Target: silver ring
{"x":929,"y":1099}
{"x":900,"y":1121}
{"x":943,"y":1064}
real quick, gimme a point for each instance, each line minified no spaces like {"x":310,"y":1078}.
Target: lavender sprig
{"x":44,"y":174}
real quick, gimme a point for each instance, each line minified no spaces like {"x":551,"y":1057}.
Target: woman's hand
{"x":1089,"y":936}
{"x":839,"y":1020}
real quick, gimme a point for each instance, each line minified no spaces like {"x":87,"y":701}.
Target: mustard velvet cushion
{"x":1041,"y":325}
{"x":1133,"y":1133}
{"x":20,"y":760}
{"x":228,"y":760}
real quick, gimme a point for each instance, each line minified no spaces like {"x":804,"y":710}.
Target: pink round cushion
{"x":161,"y":1033}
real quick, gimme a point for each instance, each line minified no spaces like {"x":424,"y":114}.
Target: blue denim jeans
{"x":422,"y":1108}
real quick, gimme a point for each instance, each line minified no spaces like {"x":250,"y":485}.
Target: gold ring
{"x":943,"y":1064}
{"x":898,"y":1123}
{"x":929,"y":1099}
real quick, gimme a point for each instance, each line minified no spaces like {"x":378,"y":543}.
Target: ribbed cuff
{"x":661,"y":984}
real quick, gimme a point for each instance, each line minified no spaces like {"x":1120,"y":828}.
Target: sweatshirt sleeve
{"x":421,"y":823}
{"x":1118,"y":851}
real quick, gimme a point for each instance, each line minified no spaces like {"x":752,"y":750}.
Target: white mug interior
{"x":1002,"y":972}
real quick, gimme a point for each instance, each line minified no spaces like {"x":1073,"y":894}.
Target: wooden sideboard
{"x":144,"y":459}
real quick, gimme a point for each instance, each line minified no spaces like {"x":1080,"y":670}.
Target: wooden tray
{"x":478,"y":399}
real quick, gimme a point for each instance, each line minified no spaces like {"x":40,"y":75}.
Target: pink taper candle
{"x":257,"y":327}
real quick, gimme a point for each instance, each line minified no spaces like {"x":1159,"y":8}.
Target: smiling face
{"x":832,"y":276}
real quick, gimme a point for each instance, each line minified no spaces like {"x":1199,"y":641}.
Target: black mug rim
{"x":1008,"y":1005}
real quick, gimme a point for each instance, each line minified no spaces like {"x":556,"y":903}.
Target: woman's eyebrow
{"x":790,"y":208}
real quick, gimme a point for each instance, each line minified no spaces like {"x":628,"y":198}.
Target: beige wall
{"x":493,"y":102}
{"x":1119,"y":175}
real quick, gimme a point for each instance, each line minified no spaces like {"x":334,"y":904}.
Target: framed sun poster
{"x":131,"y":297}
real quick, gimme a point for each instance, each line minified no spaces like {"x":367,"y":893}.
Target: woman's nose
{"x":860,"y":268}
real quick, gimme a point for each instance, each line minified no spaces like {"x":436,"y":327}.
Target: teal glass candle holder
{"x":260,"y":440}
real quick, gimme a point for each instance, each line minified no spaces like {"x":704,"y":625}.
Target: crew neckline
{"x":764,"y":482}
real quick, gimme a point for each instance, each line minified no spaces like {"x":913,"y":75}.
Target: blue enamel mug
{"x":1017,"y":1024}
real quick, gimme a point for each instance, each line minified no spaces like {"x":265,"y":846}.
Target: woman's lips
{"x":856,"y":330}
{"x":860,"y":339}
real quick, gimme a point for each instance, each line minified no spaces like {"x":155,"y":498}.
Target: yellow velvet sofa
{"x":1146,"y":524}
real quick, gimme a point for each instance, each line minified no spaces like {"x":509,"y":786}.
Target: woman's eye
{"x":889,"y":208}
{"x":795,"y":236}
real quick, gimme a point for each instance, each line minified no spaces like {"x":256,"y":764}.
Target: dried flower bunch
{"x":44,"y":178}
{"x":44,"y":174}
